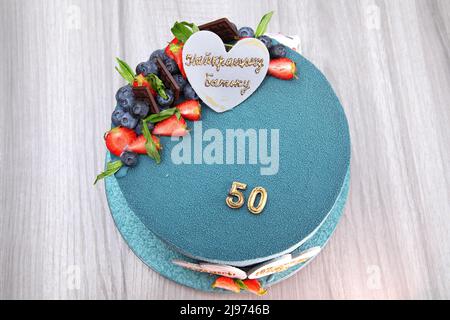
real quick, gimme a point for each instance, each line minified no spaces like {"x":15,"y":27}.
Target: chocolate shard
{"x":224,"y":28}
{"x":167,"y":79}
{"x":143,"y":93}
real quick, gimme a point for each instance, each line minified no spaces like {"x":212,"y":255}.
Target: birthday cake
{"x":228,"y":158}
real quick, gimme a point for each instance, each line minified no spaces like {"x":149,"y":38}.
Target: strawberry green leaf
{"x":125,"y":71}
{"x":183,"y":30}
{"x":262,"y":26}
{"x":150,"y":146}
{"x":157,"y":85}
{"x":111,"y":168}
{"x":163,"y":115}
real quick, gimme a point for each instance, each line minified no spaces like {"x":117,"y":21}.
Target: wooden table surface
{"x":389,"y":62}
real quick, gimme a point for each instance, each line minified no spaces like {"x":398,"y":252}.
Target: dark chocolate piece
{"x":143,"y":93}
{"x":226,"y":30}
{"x":167,"y":79}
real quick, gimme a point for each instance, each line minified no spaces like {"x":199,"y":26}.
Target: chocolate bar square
{"x":143,"y":93}
{"x":226,"y":30}
{"x":168,"y":79}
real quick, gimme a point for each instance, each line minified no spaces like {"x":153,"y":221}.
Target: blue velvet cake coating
{"x":184,"y":205}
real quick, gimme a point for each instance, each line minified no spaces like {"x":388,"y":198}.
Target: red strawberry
{"x":190,"y":110}
{"x":174,"y":50}
{"x":282,"y":68}
{"x":138,"y":145}
{"x":254,"y":286}
{"x":171,"y":127}
{"x":118,"y":138}
{"x":227,"y":284}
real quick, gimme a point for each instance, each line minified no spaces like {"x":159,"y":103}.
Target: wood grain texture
{"x":389,"y":62}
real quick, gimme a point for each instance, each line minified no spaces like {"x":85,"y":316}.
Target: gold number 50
{"x":236,"y":199}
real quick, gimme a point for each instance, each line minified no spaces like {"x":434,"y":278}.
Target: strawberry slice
{"x":282,"y":68}
{"x":254,"y":286}
{"x":227,"y":284}
{"x":174,"y":50}
{"x":138,"y":145}
{"x":171,"y":127}
{"x":117,"y":139}
{"x":190,"y":110}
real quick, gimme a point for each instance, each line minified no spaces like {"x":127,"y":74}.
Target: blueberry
{"x":126,"y":102}
{"x":266,"y":40}
{"x":146,"y":68}
{"x":277,"y":51}
{"x":164,"y":103}
{"x":189,"y":93}
{"x":157,"y":54}
{"x":125,"y":91}
{"x":140,"y":109}
{"x":180,"y":80}
{"x":246,"y":32}
{"x":130,"y":159}
{"x":128,"y":121}
{"x":171,"y":66}
{"x":117,"y":115}
{"x":138,"y":128}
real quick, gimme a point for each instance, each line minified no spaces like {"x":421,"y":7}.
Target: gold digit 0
{"x":262,"y":201}
{"x":234,"y":192}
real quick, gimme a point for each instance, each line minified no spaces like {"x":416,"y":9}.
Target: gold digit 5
{"x":262,"y":201}
{"x":234,"y":192}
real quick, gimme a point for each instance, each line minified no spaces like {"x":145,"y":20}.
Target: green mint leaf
{"x":125,"y":76}
{"x":125,"y":71}
{"x":163,"y":115}
{"x":183,"y":30}
{"x":152,"y":151}
{"x":193,"y":26}
{"x":111,"y":168}
{"x":157,"y":85}
{"x":124,"y":66}
{"x":262,"y":26}
{"x":150,"y":146}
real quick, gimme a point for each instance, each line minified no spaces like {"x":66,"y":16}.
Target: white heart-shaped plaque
{"x":224,"y":79}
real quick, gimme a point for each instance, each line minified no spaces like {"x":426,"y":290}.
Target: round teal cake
{"x":252,"y":194}
{"x":184,"y":204}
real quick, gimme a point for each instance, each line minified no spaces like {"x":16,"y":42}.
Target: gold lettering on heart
{"x":219,"y":61}
{"x":222,"y":83}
